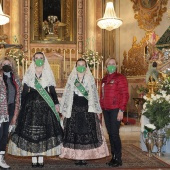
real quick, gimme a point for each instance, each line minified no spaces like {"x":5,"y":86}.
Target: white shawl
{"x":47,"y":78}
{"x":67,"y":98}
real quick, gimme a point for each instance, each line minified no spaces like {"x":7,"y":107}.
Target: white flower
{"x":150,"y":126}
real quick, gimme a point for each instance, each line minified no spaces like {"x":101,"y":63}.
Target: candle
{"x":70,"y":59}
{"x":64,"y":60}
{"x":26,"y":65}
{"x":102,"y":68}
{"x":97,"y":70}
{"x":97,"y":73}
{"x":18,"y":66}
{"x":23,"y":67}
{"x":77,"y":54}
{"x":58,"y":69}
{"x":94,"y":68}
{"x":29,"y":53}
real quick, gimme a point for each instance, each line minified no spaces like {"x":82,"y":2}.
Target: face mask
{"x":111,"y":68}
{"x":81,"y":69}
{"x":7,"y":68}
{"x":39,"y":62}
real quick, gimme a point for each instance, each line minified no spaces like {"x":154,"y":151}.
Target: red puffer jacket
{"x":114,"y":92}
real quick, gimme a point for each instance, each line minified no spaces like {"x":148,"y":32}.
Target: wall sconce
{"x":109,"y":20}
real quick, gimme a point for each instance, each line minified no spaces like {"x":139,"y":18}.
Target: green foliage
{"x":142,"y":90}
{"x":158,"y":112}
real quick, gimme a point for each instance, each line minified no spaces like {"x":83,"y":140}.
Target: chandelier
{"x":109,"y":20}
{"x":4,"y":19}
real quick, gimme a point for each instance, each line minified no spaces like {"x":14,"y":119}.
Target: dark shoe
{"x":34,"y":165}
{"x":79,"y":162}
{"x":83,"y":163}
{"x":40,"y":165}
{"x":112,"y":161}
{"x":116,"y":163}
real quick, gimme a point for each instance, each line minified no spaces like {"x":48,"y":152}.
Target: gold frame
{"x":68,"y":13}
{"x":149,"y":17}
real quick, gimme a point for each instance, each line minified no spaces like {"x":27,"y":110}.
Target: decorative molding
{"x":80,"y":25}
{"x":26,"y":25}
{"x":149,"y":13}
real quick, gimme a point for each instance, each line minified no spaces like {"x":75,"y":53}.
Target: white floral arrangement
{"x":92,"y":58}
{"x":150,"y":127}
{"x":17,"y":54}
{"x":157,"y":107}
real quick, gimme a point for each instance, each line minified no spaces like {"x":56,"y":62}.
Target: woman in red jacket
{"x":113,"y":99}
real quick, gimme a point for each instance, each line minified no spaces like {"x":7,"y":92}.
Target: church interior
{"x":135,"y":32}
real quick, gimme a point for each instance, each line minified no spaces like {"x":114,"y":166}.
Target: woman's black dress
{"x":38,"y":129}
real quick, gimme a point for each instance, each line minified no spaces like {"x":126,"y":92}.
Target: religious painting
{"x":53,"y":21}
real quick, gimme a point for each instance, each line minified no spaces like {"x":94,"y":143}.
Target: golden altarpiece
{"x":59,"y":37}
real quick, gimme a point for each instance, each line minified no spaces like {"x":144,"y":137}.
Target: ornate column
{"x":15,"y":37}
{"x":90,"y":34}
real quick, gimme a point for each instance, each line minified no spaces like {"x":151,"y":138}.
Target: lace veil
{"x":47,"y":78}
{"x":67,"y":98}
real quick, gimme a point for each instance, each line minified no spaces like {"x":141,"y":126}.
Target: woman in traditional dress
{"x":38,"y":132}
{"x":83,"y":138}
{"x":10,"y":89}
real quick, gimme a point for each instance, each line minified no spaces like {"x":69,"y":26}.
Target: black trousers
{"x":113,"y":125}
{"x":5,"y":127}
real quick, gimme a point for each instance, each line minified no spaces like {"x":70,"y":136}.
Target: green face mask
{"x":81,"y":69}
{"x":111,"y":68}
{"x":39,"y":62}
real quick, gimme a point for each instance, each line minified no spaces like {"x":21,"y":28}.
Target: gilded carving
{"x":134,"y":63}
{"x":149,"y":13}
{"x":36,"y":17}
{"x":25,"y":26}
{"x":80,"y":35}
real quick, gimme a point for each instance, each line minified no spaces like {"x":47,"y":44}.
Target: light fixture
{"x":109,"y":20}
{"x":4,"y":19}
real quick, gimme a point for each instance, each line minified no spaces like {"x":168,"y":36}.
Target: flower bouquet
{"x":92,"y":58}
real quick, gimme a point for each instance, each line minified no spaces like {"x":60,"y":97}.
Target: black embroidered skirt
{"x":38,"y":129}
{"x":82,"y":129}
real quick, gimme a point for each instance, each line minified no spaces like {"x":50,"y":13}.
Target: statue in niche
{"x":52,"y":29}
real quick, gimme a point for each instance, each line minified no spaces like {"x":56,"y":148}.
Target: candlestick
{"x":97,"y":70}
{"x":26,"y":65}
{"x":64,"y":60}
{"x":29,"y":53}
{"x":70,"y":59}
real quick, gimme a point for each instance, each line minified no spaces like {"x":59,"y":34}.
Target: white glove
{"x":11,"y":128}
